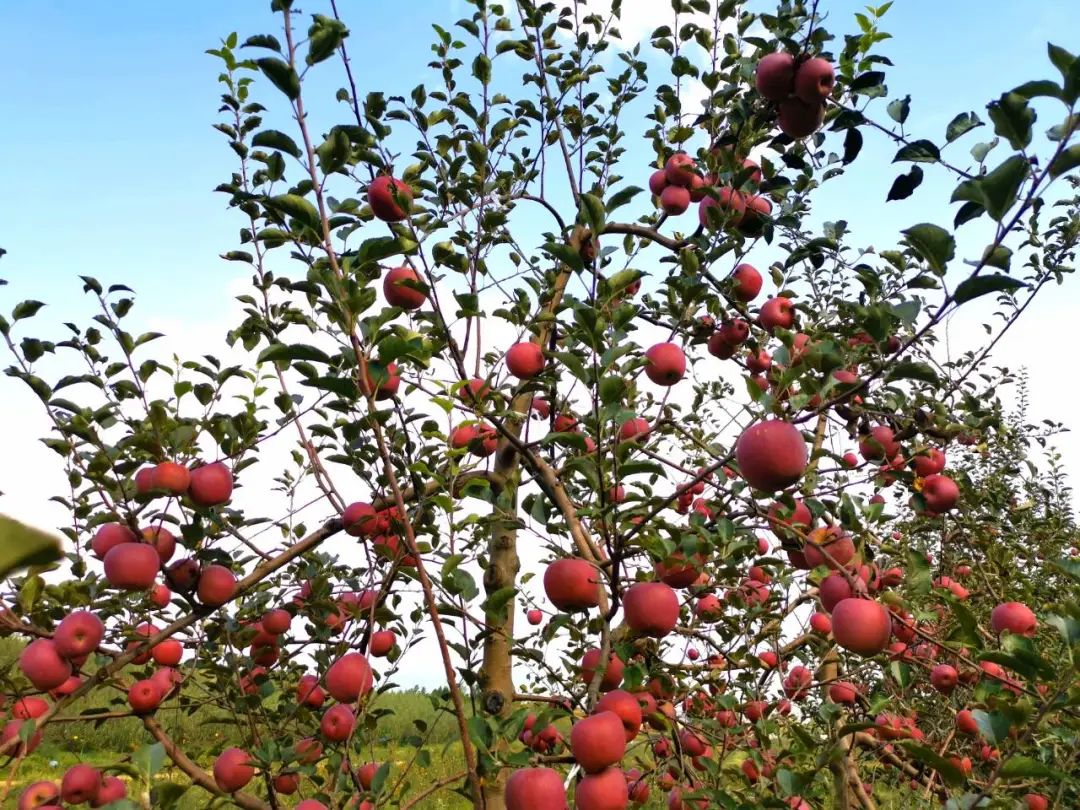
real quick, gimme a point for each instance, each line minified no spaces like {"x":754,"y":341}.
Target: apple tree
{"x":562,"y":375}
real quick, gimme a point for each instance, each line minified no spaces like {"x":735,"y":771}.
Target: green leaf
{"x":282,"y":76}
{"x":913,"y":370}
{"x":1068,"y":160}
{"x":274,"y":139}
{"x":996,"y":191}
{"x":622,"y":197}
{"x":324,"y":37}
{"x":1068,"y":627}
{"x":982,"y":285}
{"x":297,"y":207}
{"x":904,"y":185}
{"x":964,"y":122}
{"x":865,"y":81}
{"x":918,"y":576}
{"x":1036,"y":89}
{"x":592,"y":212}
{"x":853,"y":143}
{"x":993,"y":726}
{"x":262,"y":41}
{"x":1012,"y":117}
{"x":933,"y":243}
{"x":292,"y":351}
{"x":1020,"y":766}
{"x":899,"y":108}
{"x":26,"y":309}
{"x":921,"y":151}
{"x":22,"y":546}
{"x":149,"y":760}
{"x":948,"y":772}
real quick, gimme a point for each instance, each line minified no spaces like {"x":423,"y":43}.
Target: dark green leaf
{"x":296,"y":206}
{"x":22,"y":546}
{"x":994,"y":727}
{"x":592,"y":212}
{"x":982,"y":285}
{"x":1019,"y":766}
{"x":1012,"y":117}
{"x":622,"y":197}
{"x":274,"y":139}
{"x":913,"y":370}
{"x":948,"y":772}
{"x":1035,"y":89}
{"x":918,"y":577}
{"x":933,"y":243}
{"x":904,"y":185}
{"x":282,"y":76}
{"x":873,"y":78}
{"x":921,"y":151}
{"x":996,"y":191}
{"x":26,"y":309}
{"x":262,"y":41}
{"x":853,"y":142}
{"x":1068,"y":160}
{"x":292,"y":351}
{"x":324,"y":37}
{"x":964,"y":122}
{"x":899,"y":108}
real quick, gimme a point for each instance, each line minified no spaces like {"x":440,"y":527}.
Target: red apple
{"x":211,"y":484}
{"x":821,"y":623}
{"x":626,"y":706}
{"x":572,"y":584}
{"x":80,"y":784}
{"x":862,"y":626}
{"x":771,"y":455}
{"x":965,"y":723}
{"x":943,"y":678}
{"x":78,"y":634}
{"x":403,"y":287}
{"x":217,"y":585}
{"x":110,"y":535}
{"x":277,"y":621}
{"x":613,"y":672}
{"x":730,"y":208}
{"x":675,"y":200}
{"x":144,"y":696}
{"x":162,"y":540}
{"x":651,"y":608}
{"x":879,"y":444}
{"x":309,"y":693}
{"x":349,"y":678}
{"x":535,"y":789}
{"x":598,"y":741}
{"x":636,"y":429}
{"x":775,"y":76}
{"x":658,"y":182}
{"x":43,"y":665}
{"x":1036,"y":801}
{"x":940,"y":493}
{"x":172,"y":477}
{"x":1015,"y":617}
{"x":798,"y":119}
{"x":382,"y":642}
{"x":843,"y":692}
{"x":606,"y":790}
{"x":389,"y":198}
{"x":814,"y":80}
{"x":665,"y":363}
{"x":337,"y":723}
{"x":929,"y":463}
{"x":777,"y":313}
{"x":233,"y":769}
{"x":747,"y":282}
{"x":680,"y":169}
{"x":39,"y":794}
{"x":287,"y":783}
{"x":525,"y":360}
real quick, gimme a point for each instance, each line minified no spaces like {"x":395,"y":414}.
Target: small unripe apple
{"x":775,"y":76}
{"x":389,"y":198}
{"x":525,"y":360}
{"x":401,"y":288}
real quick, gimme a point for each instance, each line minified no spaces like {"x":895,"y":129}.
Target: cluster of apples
{"x":799,"y":88}
{"x":80,"y":784}
{"x":738,"y":205}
